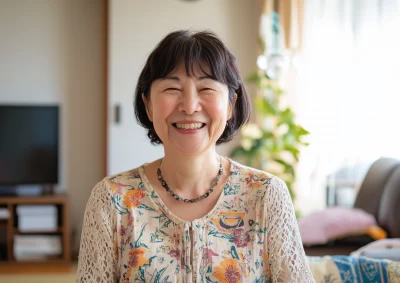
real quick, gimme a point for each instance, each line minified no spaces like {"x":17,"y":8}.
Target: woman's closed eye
{"x":172,"y":89}
{"x":207,"y":90}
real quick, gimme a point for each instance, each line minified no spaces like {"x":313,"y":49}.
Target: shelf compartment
{"x":59,"y":230}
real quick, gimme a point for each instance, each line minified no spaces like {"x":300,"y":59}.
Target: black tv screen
{"x":29,"y":142}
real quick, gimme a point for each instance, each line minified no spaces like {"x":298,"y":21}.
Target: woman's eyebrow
{"x":174,"y":78}
{"x":205,"y":78}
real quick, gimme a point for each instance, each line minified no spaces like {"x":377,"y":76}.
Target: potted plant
{"x":274,"y":144}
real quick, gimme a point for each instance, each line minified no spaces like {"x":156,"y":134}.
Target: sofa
{"x":379,"y":195}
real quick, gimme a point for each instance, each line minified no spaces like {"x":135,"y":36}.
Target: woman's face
{"x":189,"y":114}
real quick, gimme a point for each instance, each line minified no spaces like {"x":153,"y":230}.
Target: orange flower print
{"x":256,"y":180}
{"x":228,"y":271}
{"x":116,"y":188}
{"x":243,"y":259}
{"x":266,"y":264}
{"x":127,"y":275}
{"x":133,"y":198}
{"x":115,"y":250}
{"x":136,"y":258}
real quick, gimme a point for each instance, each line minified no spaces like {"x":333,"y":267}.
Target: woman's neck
{"x":190,"y":176}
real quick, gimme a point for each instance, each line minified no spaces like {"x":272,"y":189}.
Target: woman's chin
{"x":190,"y":148}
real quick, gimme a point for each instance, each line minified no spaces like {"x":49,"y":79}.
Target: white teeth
{"x":190,"y":126}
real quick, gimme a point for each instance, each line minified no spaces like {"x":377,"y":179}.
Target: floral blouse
{"x":250,"y":235}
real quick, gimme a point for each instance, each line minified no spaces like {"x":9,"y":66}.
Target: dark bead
{"x":164,"y":184}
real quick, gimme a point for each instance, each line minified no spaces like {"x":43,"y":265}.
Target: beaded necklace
{"x":177,"y":197}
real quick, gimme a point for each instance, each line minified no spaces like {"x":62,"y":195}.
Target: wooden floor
{"x":50,"y":276}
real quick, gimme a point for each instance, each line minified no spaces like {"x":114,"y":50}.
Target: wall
{"x":135,"y":28}
{"x":53,"y":52}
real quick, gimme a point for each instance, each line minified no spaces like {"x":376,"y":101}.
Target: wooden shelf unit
{"x":61,"y":202}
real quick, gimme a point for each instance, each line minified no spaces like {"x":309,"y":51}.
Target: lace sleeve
{"x":286,"y":254}
{"x":96,"y":255}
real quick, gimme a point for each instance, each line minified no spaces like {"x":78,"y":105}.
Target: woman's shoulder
{"x":126,"y":177}
{"x":249,"y":174}
{"x":120,"y":183}
{"x":253,"y":178}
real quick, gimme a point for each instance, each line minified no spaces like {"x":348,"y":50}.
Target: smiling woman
{"x":188,"y":111}
{"x":192,"y":216}
{"x":201,"y":59}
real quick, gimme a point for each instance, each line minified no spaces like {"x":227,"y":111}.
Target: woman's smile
{"x":189,"y":127}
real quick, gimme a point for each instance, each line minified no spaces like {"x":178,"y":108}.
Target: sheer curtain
{"x":346,"y":90}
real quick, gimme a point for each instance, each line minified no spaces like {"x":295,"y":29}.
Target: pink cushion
{"x":333,"y":223}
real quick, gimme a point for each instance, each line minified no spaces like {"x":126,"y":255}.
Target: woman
{"x":192,"y":216}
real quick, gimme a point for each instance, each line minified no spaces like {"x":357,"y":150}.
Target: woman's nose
{"x":190,"y":101}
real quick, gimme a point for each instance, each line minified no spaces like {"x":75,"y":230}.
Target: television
{"x":29,"y":145}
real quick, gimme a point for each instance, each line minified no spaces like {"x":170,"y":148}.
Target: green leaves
{"x":286,"y":117}
{"x":265,"y":107}
{"x":279,"y":146}
{"x":238,"y":151}
{"x":253,"y":77}
{"x":234,"y":253}
{"x":221,"y":235}
{"x":143,"y":206}
{"x":138,"y":243}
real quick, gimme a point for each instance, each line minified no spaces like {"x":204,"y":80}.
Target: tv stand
{"x":48,"y":190}
{"x":9,"y":227}
{"x":8,"y":191}
{"x":26,"y":190}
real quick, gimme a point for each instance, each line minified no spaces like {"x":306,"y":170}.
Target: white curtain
{"x":345,"y":87}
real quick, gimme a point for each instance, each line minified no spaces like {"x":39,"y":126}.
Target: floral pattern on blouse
{"x":232,"y":243}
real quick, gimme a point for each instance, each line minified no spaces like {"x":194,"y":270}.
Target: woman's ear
{"x":231,"y":106}
{"x":149,"y":111}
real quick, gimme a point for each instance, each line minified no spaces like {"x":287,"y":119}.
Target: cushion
{"x":353,"y":269}
{"x":381,"y":245}
{"x":333,"y":223}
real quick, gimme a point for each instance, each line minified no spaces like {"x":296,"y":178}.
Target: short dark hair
{"x":193,"y":48}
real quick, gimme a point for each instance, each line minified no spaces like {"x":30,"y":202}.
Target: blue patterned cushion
{"x":347,"y":269}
